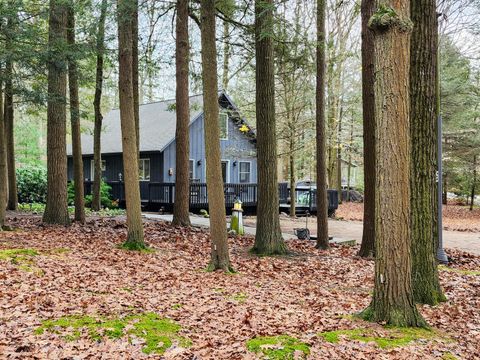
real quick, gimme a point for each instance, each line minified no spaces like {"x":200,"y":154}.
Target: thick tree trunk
{"x":393,"y":301}
{"x":9,"y":116}
{"x":135,"y":81}
{"x":3,"y":161}
{"x":134,"y":240}
{"x":75,"y":120}
{"x":56,"y":210}
{"x":367,"y":249}
{"x":268,"y":238}
{"x":322,"y":204}
{"x":97,"y":132}
{"x":474,"y":182}
{"x":181,"y":214}
{"x":423,"y":136}
{"x":220,"y":258}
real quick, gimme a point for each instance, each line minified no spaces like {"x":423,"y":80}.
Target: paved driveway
{"x":351,"y":230}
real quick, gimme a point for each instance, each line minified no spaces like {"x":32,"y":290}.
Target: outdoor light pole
{"x":441,"y":255}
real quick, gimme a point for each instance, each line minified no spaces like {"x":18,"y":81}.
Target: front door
{"x":224,"y":171}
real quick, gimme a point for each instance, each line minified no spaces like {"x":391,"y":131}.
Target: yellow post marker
{"x":237,"y":220}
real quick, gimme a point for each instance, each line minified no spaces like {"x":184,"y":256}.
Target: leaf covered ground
{"x":284,"y":307}
{"x":455,"y":217}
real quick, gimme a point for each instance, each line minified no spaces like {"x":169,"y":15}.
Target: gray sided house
{"x":157,"y":146}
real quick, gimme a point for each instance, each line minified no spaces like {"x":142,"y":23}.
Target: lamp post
{"x":441,"y":255}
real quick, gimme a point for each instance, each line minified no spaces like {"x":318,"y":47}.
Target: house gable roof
{"x":157,"y":126}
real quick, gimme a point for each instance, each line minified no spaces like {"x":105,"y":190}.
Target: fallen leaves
{"x":298,"y":296}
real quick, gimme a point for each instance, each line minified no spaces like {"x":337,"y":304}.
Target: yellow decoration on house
{"x":244,"y":128}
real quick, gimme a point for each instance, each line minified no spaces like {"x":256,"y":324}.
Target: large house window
{"x":144,"y":169}
{"x":92,"y":167}
{"x":223,"y":122}
{"x":191,"y":170}
{"x":244,"y":171}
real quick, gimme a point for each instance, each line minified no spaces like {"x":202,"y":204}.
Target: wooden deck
{"x":159,"y":195}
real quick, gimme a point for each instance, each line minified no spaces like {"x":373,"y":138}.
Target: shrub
{"x":105,"y":197}
{"x":32,"y":184}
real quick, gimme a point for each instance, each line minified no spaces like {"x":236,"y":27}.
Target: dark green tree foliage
{"x":32,"y":184}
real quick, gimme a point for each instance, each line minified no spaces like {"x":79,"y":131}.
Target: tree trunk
{"x":474,"y":182}
{"x":135,"y":82}
{"x":423,"y":135}
{"x":97,"y":132}
{"x":126,"y":11}
{"x":291,"y":156}
{"x":226,"y":55}
{"x":9,"y":113}
{"x":322,"y":204}
{"x":339,"y":158}
{"x":75,"y":120}
{"x":367,"y":249}
{"x":393,"y":302}
{"x":268,"y":238}
{"x":56,"y":210}
{"x":3,"y":161}
{"x":220,"y":259}
{"x":181,"y":215}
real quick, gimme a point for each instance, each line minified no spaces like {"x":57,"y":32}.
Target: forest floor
{"x":72,"y":293}
{"x":455,"y":217}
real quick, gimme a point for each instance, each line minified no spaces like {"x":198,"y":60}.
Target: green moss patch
{"x":22,"y":258}
{"x":239,"y":297}
{"x":459,"y":271}
{"x":282,"y":347}
{"x":157,"y":333}
{"x":395,"y":337}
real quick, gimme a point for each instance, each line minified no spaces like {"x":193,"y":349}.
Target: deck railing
{"x":161,"y":194}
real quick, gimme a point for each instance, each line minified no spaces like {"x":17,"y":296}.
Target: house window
{"x":244,"y":171}
{"x":144,"y":170}
{"x":191,"y":170}
{"x":92,"y":167}
{"x":223,"y":122}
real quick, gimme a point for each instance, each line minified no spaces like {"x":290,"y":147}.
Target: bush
{"x":32,"y":184}
{"x":105,"y":197}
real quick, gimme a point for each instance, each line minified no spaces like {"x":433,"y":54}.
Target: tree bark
{"x":56,"y":210}
{"x":268,"y":238}
{"x":75,"y":120}
{"x":423,"y":135}
{"x":97,"y":132}
{"x":135,"y":81}
{"x":3,"y":161}
{"x":367,"y":249}
{"x":226,"y":55}
{"x":9,"y":112}
{"x":322,"y":203}
{"x":220,"y":259}
{"x":181,"y":215}
{"x":126,"y":10}
{"x":393,"y":301}
{"x":291,"y":156}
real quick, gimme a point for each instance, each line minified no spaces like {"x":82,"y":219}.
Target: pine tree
{"x":97,"y":132}
{"x":367,"y":248}
{"x":181,"y":214}
{"x":268,"y":238}
{"x":75,"y":119}
{"x":423,"y":133}
{"x":322,"y":204}
{"x":220,"y":258}
{"x":126,"y":10}
{"x":56,"y":210}
{"x":3,"y":160}
{"x":393,"y":301}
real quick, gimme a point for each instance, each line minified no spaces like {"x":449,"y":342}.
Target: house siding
{"x":114,"y":167}
{"x":237,"y":147}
